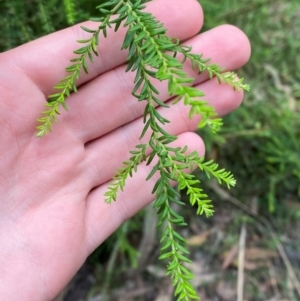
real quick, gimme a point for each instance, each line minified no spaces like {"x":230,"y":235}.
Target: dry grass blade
{"x":240,"y":282}
{"x":267,"y":224}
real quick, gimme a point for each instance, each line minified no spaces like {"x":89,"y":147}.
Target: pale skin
{"x":52,"y":209}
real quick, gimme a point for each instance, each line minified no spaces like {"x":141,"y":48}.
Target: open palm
{"x":52,"y":210}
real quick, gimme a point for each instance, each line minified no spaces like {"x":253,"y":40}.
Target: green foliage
{"x":260,"y":142}
{"x":70,"y":11}
{"x":153,"y":55}
{"x":44,"y":17}
{"x":67,"y":84}
{"x":14,"y":29}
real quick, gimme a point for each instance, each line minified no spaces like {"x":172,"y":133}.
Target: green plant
{"x":249,"y":148}
{"x":152,"y":54}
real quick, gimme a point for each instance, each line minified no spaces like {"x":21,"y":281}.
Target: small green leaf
{"x":153,"y":171}
{"x":88,"y":29}
{"x":81,"y":50}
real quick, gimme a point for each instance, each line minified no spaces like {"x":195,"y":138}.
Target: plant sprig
{"x":68,"y":83}
{"x":154,"y":55}
{"x":126,"y":171}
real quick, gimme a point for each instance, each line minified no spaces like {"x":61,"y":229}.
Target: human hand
{"x":52,"y":210}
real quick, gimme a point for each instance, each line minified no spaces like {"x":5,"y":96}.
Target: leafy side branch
{"x":152,"y":55}
{"x":67,"y":84}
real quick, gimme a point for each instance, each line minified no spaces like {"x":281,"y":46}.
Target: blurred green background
{"x":259,"y":143}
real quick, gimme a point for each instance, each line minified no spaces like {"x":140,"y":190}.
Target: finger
{"x":116,"y":106}
{"x":106,"y":154}
{"x":45,"y":59}
{"x":103,"y":219}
